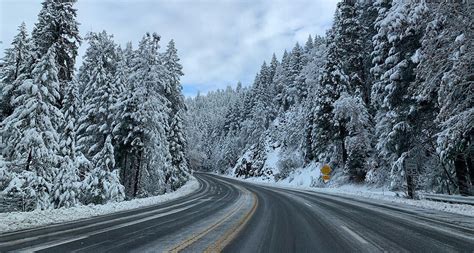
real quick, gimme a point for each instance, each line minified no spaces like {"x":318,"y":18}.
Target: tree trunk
{"x":137,"y":174}
{"x":123,"y":172}
{"x":309,"y":142}
{"x":342,"y":135}
{"x":410,"y":187}
{"x":470,"y":166}
{"x":130,"y":174}
{"x":123,"y":167}
{"x":462,"y":175}
{"x":28,"y":161}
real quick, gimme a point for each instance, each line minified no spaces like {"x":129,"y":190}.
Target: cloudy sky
{"x":219,"y":41}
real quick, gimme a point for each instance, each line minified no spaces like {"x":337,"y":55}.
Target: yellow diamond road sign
{"x":326,"y":169}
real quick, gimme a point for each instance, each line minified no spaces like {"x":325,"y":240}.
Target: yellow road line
{"x":231,"y":233}
{"x":198,"y":236}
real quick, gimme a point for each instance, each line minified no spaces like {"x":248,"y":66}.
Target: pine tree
{"x":367,"y":14}
{"x":175,"y":176}
{"x":173,"y":73}
{"x":145,"y":118}
{"x":352,"y":112}
{"x":57,"y":25}
{"x":381,"y":48}
{"x":308,"y":46}
{"x":455,"y":142}
{"x":295,"y":91}
{"x":395,"y":128}
{"x":100,"y":94}
{"x":281,"y":80}
{"x":72,"y":162}
{"x":31,"y":133}
{"x":312,"y":73}
{"x":14,"y":69}
{"x":129,"y":133}
{"x":273,"y":67}
{"x":98,"y":118}
{"x":334,"y":79}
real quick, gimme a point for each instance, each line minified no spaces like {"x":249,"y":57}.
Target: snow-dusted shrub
{"x":5,"y":175}
{"x":352,"y":115}
{"x":100,"y":187}
{"x":375,"y":174}
{"x":66,"y":187}
{"x":32,"y":190}
{"x":288,"y":163}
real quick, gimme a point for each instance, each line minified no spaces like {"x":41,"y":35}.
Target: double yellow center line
{"x":228,"y":235}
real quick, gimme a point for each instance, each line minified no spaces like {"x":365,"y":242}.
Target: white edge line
{"x":356,"y":236}
{"x":118,"y":226}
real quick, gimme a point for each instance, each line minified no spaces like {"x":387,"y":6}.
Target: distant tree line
{"x":385,"y":98}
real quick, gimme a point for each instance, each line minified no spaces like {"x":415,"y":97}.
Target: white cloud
{"x":219,"y":42}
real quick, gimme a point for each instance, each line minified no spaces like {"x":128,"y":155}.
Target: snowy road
{"x":234,"y":216}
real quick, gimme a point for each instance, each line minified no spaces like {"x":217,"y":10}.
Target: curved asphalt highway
{"x":233,"y":216}
{"x":304,"y":221}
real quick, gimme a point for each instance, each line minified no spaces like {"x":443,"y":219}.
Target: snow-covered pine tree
{"x":334,"y":79}
{"x":274,"y":63}
{"x":402,"y":28}
{"x":73,"y":164}
{"x":309,"y":45}
{"x":100,"y":93}
{"x":128,"y":55}
{"x":255,"y":117}
{"x":262,"y":111}
{"x":57,"y":25}
{"x":31,"y":134}
{"x":102,"y":183}
{"x":280,"y":81}
{"x":353,"y":50}
{"x":352,"y":112}
{"x":98,"y":119}
{"x":380,"y":52}
{"x":176,"y":175}
{"x":433,"y":62}
{"x":121,"y":80}
{"x":145,"y":118}
{"x":129,"y":133}
{"x":365,"y":27}
{"x":455,"y":142}
{"x":173,"y":73}
{"x":295,"y":91}
{"x":14,"y":65}
{"x":312,"y":74}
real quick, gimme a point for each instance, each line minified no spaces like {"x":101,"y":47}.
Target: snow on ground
{"x":302,"y":179}
{"x":21,"y":220}
{"x":397,"y":198}
{"x":272,"y":155}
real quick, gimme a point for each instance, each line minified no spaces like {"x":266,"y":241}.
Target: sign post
{"x":411,"y":170}
{"x":325,"y":171}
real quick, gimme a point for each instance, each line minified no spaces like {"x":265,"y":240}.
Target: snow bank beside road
{"x":21,"y":220}
{"x":392,"y":198}
{"x":303,"y":179}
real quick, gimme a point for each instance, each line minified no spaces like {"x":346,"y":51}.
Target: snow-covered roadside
{"x":21,"y":220}
{"x":365,"y":192}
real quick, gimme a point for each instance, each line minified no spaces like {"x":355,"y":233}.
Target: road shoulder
{"x":14,"y":221}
